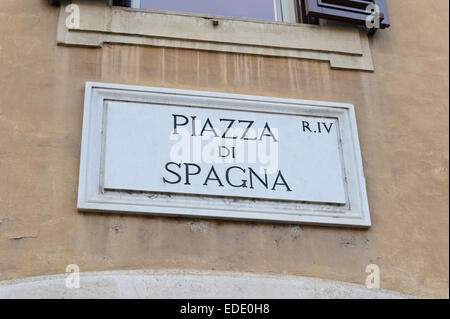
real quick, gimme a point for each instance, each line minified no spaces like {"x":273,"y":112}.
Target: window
{"x":293,"y":11}
{"x":253,"y":9}
{"x":269,"y":10}
{"x":110,"y":21}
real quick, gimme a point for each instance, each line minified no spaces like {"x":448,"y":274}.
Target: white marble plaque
{"x":177,"y":152}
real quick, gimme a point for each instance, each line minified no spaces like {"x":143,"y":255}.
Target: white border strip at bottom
{"x":192,"y":284}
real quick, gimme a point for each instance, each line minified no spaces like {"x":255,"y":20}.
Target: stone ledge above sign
{"x":204,"y":154}
{"x":343,"y":48}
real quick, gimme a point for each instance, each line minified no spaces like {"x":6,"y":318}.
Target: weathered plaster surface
{"x":402,"y":114}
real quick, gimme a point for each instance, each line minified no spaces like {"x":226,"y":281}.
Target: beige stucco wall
{"x":402,"y":112}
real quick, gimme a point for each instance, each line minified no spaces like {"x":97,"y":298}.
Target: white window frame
{"x":284,"y":10}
